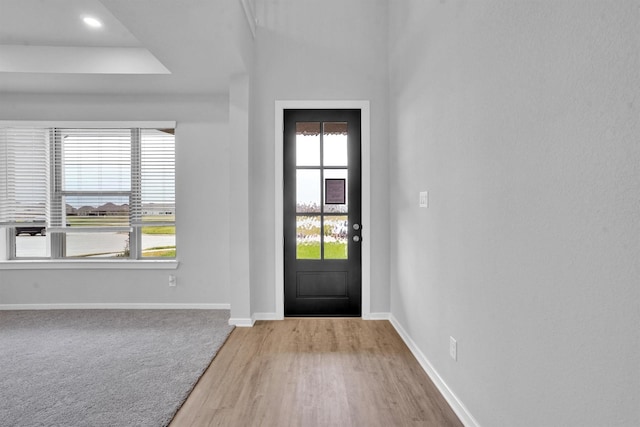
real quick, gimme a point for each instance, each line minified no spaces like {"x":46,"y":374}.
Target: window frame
{"x":56,"y":248}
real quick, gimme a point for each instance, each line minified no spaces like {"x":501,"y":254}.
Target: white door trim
{"x":280,"y":106}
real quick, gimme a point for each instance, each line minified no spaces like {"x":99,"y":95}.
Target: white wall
{"x":521,"y":119}
{"x":239,"y":234}
{"x":317,"y":50}
{"x":202,"y":188}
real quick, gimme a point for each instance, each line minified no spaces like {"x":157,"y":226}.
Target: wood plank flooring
{"x":315,"y":372}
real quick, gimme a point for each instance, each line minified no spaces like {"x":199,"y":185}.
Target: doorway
{"x":322,"y":212}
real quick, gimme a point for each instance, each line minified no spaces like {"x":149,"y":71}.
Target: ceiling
{"x":143,"y":46}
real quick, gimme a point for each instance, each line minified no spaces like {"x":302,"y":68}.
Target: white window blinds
{"x":51,"y":175}
{"x":24,"y":175}
{"x":94,"y":170}
{"x":157,"y":200}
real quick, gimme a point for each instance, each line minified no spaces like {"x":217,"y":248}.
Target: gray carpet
{"x":103,"y":367}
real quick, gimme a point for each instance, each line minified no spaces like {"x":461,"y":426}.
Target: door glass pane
{"x":335,"y":144}
{"x":333,"y":174}
{"x":308,"y":190}
{"x":336,"y":237}
{"x":308,"y":237}
{"x":307,"y":144}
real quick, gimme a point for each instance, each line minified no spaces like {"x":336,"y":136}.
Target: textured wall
{"x":317,"y":50}
{"x":521,"y":119}
{"x":202,"y":181}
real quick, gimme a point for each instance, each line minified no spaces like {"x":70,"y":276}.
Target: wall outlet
{"x":424,"y":199}
{"x":172,"y":280}
{"x":453,"y":348}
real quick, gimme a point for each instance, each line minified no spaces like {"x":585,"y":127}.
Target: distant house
{"x":111,"y":209}
{"x":108,"y":209}
{"x":158,"y":209}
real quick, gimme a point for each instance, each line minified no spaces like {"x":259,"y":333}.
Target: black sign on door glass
{"x":335,"y":191}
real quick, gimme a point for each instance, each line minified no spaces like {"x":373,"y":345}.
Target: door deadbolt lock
{"x":356,"y":226}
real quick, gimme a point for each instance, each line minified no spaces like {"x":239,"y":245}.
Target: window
{"x":86,"y":193}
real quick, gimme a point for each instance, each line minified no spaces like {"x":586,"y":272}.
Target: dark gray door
{"x":322,"y":213}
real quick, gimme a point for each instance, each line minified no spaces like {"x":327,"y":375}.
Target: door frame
{"x":365,"y":154}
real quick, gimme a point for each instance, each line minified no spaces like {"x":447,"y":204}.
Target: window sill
{"x":89,"y":265}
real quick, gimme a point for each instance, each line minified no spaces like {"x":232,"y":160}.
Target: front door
{"x":322,"y":213}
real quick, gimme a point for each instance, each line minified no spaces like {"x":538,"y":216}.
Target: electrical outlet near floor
{"x":453,"y":348}
{"x":172,"y":280}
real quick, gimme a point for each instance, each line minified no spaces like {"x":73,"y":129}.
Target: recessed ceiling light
{"x":92,"y":22}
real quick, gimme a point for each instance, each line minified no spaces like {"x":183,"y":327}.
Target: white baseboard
{"x":458,"y":407}
{"x":241,"y":322}
{"x":266,"y":316}
{"x":377,"y":316}
{"x":275,"y":316}
{"x":115,"y":306}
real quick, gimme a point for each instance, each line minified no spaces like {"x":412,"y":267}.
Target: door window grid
{"x":323,"y":236}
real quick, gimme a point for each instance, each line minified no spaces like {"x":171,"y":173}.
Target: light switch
{"x":424,"y":199}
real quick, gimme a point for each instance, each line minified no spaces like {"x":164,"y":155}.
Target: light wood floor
{"x":315,"y":372}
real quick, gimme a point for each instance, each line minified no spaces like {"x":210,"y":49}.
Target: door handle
{"x":356,"y":238}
